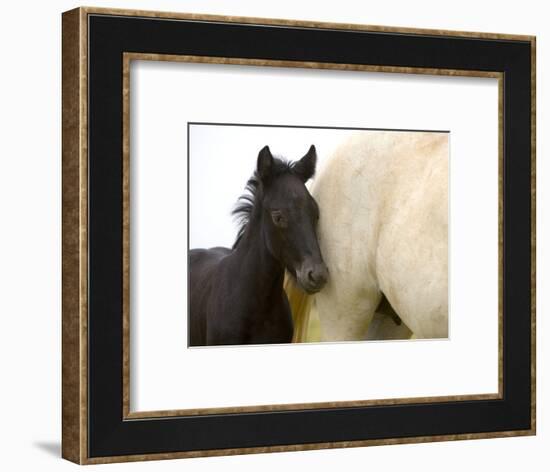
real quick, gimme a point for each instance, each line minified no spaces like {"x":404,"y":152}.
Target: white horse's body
{"x":383,"y":198}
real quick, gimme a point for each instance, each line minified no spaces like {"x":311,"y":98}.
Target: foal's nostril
{"x":317,"y":277}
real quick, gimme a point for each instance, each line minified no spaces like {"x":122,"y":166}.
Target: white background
{"x":30,"y":206}
{"x":165,"y":96}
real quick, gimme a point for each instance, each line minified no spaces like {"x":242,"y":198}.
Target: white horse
{"x":383,"y":231}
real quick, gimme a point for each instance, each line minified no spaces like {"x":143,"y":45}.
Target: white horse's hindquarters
{"x":412,"y":251}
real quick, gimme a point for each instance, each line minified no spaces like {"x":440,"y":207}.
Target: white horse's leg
{"x":412,"y":272}
{"x":343,"y":317}
{"x":348,"y":301}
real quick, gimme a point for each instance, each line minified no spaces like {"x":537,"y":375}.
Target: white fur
{"x":383,"y":198}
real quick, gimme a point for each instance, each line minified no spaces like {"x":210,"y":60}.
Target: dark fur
{"x":236,"y":295}
{"x":245,"y":204}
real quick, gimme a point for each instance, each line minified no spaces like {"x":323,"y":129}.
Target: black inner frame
{"x":108,"y":433}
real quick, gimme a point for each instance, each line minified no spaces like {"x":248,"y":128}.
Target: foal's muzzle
{"x":312,"y":276}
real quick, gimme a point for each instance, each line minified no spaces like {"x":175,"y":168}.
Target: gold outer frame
{"x":74,"y":231}
{"x":74,"y":237}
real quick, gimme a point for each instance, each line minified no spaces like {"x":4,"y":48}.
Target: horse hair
{"x":252,"y":194}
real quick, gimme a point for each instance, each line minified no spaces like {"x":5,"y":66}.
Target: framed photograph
{"x":284,"y":235}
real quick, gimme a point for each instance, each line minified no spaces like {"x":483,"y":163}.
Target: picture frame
{"x":98,"y":46}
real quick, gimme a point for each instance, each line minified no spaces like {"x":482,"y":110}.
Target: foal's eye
{"x":278,"y":219}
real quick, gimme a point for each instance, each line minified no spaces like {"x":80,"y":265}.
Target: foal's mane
{"x":252,"y":194}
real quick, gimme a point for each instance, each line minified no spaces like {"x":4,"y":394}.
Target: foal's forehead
{"x":289,"y":186}
{"x":288,"y":191}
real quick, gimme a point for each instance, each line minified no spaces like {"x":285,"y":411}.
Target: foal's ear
{"x":305,"y":167}
{"x":265,"y":163}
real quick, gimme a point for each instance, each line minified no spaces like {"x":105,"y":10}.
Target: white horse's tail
{"x":300,"y":306}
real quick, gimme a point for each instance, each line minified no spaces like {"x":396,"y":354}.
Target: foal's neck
{"x":257,"y":266}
